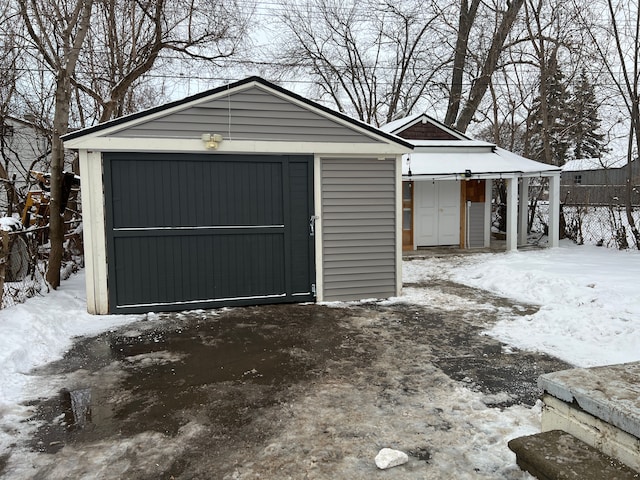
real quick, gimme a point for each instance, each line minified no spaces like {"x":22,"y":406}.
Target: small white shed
{"x":447,"y":182}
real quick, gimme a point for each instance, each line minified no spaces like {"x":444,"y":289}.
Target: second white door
{"x":437,"y":215}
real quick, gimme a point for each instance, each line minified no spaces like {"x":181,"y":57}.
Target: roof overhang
{"x":448,"y":164}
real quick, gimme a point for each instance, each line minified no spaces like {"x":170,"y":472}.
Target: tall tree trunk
{"x":634,"y":132}
{"x":56,"y":219}
{"x":544,"y":109}
{"x":633,"y":89}
{"x":61,"y":55}
{"x":479,"y":87}
{"x":466,"y":19}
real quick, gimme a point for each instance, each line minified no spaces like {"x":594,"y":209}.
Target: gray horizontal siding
{"x":476,"y":225}
{"x":253,"y":114}
{"x":605,"y":176}
{"x":358,"y":228}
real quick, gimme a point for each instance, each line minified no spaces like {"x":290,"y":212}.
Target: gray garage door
{"x":191,"y":231}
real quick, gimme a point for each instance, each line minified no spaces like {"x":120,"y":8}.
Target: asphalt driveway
{"x":290,"y":391}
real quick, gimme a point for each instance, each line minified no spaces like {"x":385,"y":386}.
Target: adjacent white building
{"x":447,"y":187}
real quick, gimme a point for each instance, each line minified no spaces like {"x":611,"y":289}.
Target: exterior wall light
{"x":211,"y":140}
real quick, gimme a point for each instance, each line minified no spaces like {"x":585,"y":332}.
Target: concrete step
{"x":557,"y":455}
{"x":598,"y":405}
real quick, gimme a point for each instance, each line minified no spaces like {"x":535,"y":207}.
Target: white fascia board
{"x":477,"y":176}
{"x":126,"y":144}
{"x":459,"y":176}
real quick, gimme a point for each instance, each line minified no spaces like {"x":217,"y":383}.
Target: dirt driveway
{"x":294,"y":391}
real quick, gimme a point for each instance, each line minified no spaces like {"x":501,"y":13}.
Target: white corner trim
{"x":317,"y":201}
{"x":94,"y":231}
{"x":399,"y":219}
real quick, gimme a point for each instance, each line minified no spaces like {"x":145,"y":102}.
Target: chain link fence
{"x":595,"y":217}
{"x":605,"y":226}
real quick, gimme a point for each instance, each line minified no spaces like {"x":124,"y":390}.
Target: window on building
{"x":577,"y":179}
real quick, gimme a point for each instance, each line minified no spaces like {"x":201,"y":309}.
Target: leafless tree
{"x":557,"y":53}
{"x":371,"y":59}
{"x":57,"y":30}
{"x":621,"y":59}
{"x":100,"y":49}
{"x":7,"y":85}
{"x":127,"y":39}
{"x":460,"y":112}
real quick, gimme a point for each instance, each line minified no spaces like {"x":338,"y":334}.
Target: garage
{"x":242,"y":195}
{"x":227,"y":230}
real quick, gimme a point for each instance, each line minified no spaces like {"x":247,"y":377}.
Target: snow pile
{"x":588,"y":296}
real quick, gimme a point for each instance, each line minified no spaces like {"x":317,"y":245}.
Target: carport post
{"x":524,"y":211}
{"x":512,"y":214}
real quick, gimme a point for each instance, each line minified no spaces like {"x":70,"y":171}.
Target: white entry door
{"x":437,"y":218}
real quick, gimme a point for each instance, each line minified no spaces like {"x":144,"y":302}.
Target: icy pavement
{"x":292,"y":391}
{"x":313,"y":391}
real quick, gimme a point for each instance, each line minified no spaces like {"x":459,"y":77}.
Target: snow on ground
{"x":38,"y":332}
{"x":589,"y":315}
{"x":588,"y":296}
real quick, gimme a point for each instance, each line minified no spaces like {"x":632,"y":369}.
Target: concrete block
{"x":557,"y":455}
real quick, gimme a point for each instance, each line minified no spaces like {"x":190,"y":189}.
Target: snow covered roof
{"x":582,"y":164}
{"x":481,"y":162}
{"x":458,"y":155}
{"x":402,"y":124}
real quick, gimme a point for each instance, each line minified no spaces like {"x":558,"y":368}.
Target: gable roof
{"x":401,"y":125}
{"x":460,"y":156}
{"x":135,"y":120}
